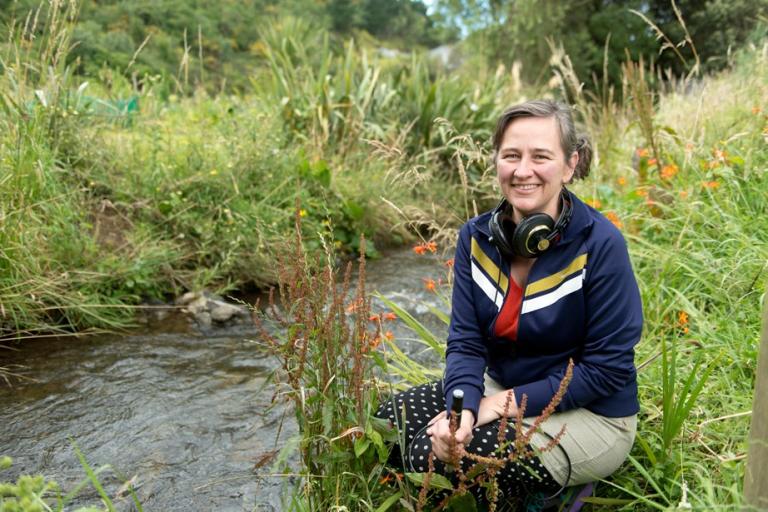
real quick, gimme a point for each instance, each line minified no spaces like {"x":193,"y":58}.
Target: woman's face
{"x":531,"y":166}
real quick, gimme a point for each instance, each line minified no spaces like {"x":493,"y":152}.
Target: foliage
{"x":324,"y":348}
{"x":501,"y":31}
{"x":35,"y":493}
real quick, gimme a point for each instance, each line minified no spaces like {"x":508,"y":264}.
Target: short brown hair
{"x":570,"y":141}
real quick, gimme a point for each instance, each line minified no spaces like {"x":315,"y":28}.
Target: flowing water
{"x":186,"y":415}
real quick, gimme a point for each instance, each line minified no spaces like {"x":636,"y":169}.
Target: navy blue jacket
{"x":581,"y":301}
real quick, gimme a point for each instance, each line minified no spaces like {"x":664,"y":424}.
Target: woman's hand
{"x":492,"y":407}
{"x":439,"y":432}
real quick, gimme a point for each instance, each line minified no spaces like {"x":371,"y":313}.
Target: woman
{"x":540,"y":280}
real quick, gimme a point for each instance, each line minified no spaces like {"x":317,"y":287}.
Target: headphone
{"x":535,"y":234}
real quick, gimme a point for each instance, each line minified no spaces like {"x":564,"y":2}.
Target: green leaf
{"x":461,"y":503}
{"x":321,"y":173}
{"x":436,"y":481}
{"x":353,"y":210}
{"x":595,"y":500}
{"x":361,"y":445}
{"x":389,"y":502}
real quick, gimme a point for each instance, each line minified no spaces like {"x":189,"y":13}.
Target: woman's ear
{"x":573,"y":161}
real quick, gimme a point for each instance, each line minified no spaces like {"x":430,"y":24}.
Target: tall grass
{"x":104,"y":208}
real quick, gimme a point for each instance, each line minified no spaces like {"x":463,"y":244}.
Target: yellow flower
{"x":302,"y":213}
{"x":213,"y":172}
{"x":621,"y":181}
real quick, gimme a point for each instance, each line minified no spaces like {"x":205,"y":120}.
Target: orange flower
{"x":756,"y":110}
{"x":683,"y":194}
{"x":426,"y":246}
{"x":373,"y":318}
{"x":353,"y":306}
{"x":720,"y":154}
{"x":389,"y":316}
{"x":621,"y":181}
{"x":642,"y":152}
{"x":710,"y":184}
{"x":375,"y":342}
{"x":682,"y":321}
{"x":449,"y":263}
{"x":642,"y":192}
{"x":652,"y":161}
{"x":668,"y":171}
{"x":594,"y":203}
{"x":430,"y":284}
{"x":611,"y":216}
{"x":389,"y":335}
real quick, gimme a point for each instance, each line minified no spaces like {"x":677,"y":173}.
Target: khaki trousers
{"x":595,"y":445}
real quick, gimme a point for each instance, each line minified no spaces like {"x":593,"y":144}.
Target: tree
{"x":756,"y":475}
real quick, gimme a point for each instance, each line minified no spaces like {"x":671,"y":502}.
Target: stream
{"x":184,"y":414}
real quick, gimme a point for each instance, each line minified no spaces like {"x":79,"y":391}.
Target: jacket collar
{"x":580,"y":221}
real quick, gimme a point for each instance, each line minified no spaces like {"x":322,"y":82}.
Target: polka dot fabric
{"x":411,"y":410}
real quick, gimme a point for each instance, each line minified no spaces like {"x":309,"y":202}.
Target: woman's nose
{"x":524,"y":167}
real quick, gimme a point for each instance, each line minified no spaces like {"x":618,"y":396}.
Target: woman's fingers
{"x":439,"y":416}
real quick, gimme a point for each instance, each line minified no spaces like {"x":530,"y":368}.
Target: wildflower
{"x":682,"y":321}
{"x":652,"y":161}
{"x":302,"y":213}
{"x":423,"y":248}
{"x":642,"y":192}
{"x":449,"y":263}
{"x":621,"y":181}
{"x":354,"y":306}
{"x":373,"y":318}
{"x":389,"y":335}
{"x":710,"y":184}
{"x":720,"y":154}
{"x":430,"y":284}
{"x":389,"y":316}
{"x":668,"y":171}
{"x":683,"y":194}
{"x":611,"y":216}
{"x":594,"y":203}
{"x":214,"y":172}
{"x":756,"y":110}
{"x":375,"y":342}
{"x":642,"y":152}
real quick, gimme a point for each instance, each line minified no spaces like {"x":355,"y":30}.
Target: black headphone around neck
{"x":535,"y":234}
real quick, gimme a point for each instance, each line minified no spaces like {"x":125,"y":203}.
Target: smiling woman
{"x":540,"y":281}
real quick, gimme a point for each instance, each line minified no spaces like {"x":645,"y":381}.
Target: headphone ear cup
{"x":530,"y":236}
{"x":499,"y":226}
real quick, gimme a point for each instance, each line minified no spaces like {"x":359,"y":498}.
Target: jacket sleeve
{"x":466,"y":354}
{"x":613,"y":324}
